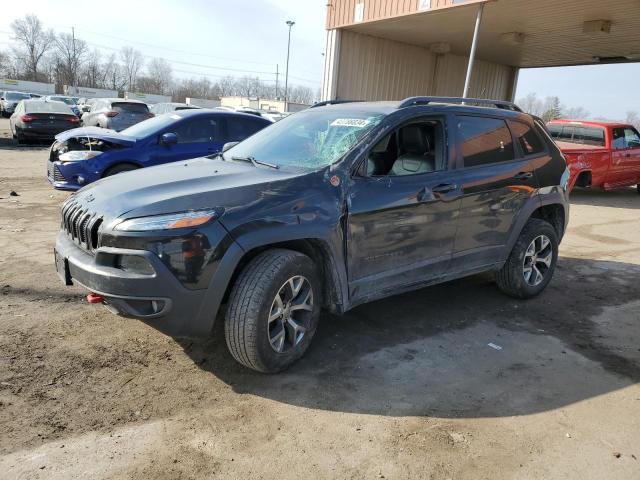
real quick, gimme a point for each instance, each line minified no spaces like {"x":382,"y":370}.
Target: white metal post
{"x":472,"y":55}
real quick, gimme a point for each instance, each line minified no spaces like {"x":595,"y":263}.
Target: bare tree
{"x":7,"y":66}
{"x":70,"y":53}
{"x":91,"y":72}
{"x":301,"y":94}
{"x":531,"y":104}
{"x":113,"y":74}
{"x":633,"y":118}
{"x":132,"y":63}
{"x":226,"y":86}
{"x":160,"y":75}
{"x":576,"y":113}
{"x":32,"y":42}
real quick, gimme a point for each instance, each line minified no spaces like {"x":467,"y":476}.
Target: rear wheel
{"x":273,"y":311}
{"x":20,"y":138}
{"x":119,"y":168}
{"x":532,"y":261}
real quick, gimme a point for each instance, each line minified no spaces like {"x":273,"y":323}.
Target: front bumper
{"x":69,"y":175}
{"x":158,"y":299}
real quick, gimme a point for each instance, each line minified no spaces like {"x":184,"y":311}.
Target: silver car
{"x":115,"y":113}
{"x":9,"y":100}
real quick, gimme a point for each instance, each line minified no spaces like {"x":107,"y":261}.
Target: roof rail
{"x":333,"y":102}
{"x":414,"y":101}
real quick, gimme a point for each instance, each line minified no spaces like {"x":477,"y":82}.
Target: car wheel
{"x":273,"y":311}
{"x":532,"y":261}
{"x":121,"y":167}
{"x":19,"y":138}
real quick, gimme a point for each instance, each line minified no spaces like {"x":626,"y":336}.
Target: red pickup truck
{"x":599,"y":154}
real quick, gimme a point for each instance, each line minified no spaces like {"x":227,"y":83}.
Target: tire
{"x":512,"y":278}
{"x":19,"y":138}
{"x":252,"y":339}
{"x":119,"y":168}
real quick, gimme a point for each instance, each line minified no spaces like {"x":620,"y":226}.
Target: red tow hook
{"x":95,"y":298}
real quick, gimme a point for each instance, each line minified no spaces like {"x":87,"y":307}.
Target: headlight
{"x":77,"y":155}
{"x":168,"y":222}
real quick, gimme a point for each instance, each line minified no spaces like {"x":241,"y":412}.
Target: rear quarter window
{"x":527,"y":137}
{"x":580,"y":134}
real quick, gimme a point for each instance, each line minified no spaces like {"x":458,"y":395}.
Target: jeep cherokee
{"x":341,"y":204}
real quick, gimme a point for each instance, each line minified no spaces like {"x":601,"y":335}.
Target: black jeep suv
{"x":331,"y":207}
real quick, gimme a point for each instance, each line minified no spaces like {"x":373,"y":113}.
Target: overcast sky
{"x":249,"y":37}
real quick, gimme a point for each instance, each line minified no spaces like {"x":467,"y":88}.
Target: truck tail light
{"x":73,"y":119}
{"x":111,"y":114}
{"x":28,"y":118}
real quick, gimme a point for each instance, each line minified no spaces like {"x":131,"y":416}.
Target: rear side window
{"x":577,"y":134}
{"x":130,"y":108}
{"x":241,"y":128}
{"x":484,"y":141}
{"x":198,"y":130}
{"x":528,"y":139}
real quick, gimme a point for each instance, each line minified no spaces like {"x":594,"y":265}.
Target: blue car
{"x":84,"y":155}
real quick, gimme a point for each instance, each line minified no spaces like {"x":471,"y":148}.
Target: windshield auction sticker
{"x":350,"y":122}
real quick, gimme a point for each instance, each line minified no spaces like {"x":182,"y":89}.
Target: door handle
{"x":444,"y":188}
{"x":523,"y":176}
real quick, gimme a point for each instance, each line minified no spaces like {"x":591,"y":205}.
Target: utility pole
{"x":277,"y":74}
{"x":290,"y":23}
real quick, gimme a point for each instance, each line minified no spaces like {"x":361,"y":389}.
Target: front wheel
{"x":273,"y":311}
{"x":531,"y":264}
{"x":120,"y":168}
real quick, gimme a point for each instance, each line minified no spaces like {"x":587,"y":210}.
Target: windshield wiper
{"x":255,"y":162}
{"x":216,"y":155}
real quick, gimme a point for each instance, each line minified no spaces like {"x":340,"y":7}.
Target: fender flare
{"x":553,"y":196}
{"x":260,"y":238}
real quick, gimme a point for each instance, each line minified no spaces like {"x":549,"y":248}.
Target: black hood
{"x":192,"y":185}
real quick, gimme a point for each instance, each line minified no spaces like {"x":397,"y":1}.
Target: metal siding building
{"x":391,"y":49}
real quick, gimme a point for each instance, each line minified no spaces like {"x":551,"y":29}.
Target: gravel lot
{"x":406,"y":387}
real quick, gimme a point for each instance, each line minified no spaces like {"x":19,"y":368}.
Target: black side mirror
{"x":229,"y":145}
{"x":169,"y":138}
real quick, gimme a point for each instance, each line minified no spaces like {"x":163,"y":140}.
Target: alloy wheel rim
{"x":537,"y":260}
{"x":290,"y":314}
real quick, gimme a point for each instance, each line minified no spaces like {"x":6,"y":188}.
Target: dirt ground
{"x":401,"y":388}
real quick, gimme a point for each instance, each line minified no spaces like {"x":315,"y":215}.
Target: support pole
{"x":472,"y":55}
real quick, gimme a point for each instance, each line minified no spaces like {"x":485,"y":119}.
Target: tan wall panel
{"x":489,"y":80}
{"x":372,"y":68}
{"x":341,"y":12}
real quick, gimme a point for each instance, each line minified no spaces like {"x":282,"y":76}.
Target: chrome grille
{"x":81,"y":225}
{"x":54,"y":173}
{"x":57,"y":175}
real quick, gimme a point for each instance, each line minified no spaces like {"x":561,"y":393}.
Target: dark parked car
{"x":9,"y":100}
{"x":115,"y":113}
{"x":328,"y":208}
{"x":160,"y":108}
{"x":41,"y":120}
{"x":84,"y":155}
